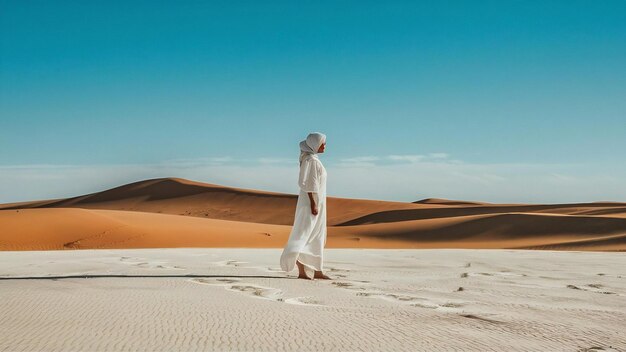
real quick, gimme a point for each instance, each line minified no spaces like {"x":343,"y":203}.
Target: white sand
{"x":237,"y":299}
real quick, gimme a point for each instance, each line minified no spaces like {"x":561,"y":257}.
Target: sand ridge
{"x":174,"y":212}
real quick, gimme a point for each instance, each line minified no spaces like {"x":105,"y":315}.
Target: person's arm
{"x":310,"y":182}
{"x":313,"y":205}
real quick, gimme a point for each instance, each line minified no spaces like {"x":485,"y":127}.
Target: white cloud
{"x":416,"y":158}
{"x":409,"y":158}
{"x":438,"y":155}
{"x":362,"y":161}
{"x":187,"y":162}
{"x":406,"y":178}
{"x":372,"y":160}
{"x":271,"y":160}
{"x":362,"y":158}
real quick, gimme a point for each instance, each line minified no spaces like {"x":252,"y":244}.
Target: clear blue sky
{"x":486,"y":82}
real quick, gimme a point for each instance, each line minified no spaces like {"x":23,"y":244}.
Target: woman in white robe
{"x":308,"y":234}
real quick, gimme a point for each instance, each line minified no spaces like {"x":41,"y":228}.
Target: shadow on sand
{"x":138,"y":276}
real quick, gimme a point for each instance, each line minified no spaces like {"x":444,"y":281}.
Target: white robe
{"x":308,"y":234}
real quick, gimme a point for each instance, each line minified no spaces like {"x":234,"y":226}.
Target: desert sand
{"x":174,"y":212}
{"x":231,"y":299}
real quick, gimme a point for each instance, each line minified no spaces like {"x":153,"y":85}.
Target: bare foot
{"x":303,"y":276}
{"x":302,"y":273}
{"x":320,"y":275}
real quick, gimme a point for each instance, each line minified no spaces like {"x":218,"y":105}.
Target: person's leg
{"x":321,"y":242}
{"x":302,"y":274}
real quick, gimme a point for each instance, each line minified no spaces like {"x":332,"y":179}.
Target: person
{"x":308,"y":234}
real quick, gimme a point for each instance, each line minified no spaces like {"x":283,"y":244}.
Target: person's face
{"x":322,"y":147}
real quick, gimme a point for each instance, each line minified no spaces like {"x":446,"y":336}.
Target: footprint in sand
{"x":304,"y":301}
{"x":333,"y":269}
{"x":273,"y":270}
{"x":342,"y":284}
{"x":351,"y":285}
{"x":337,"y":272}
{"x":257,"y":291}
{"x":144,"y":264}
{"x":503,"y":273}
{"x":269,"y":293}
{"x":597,"y":288}
{"x":239,"y":264}
{"x":598,"y":349}
{"x":476,"y":317}
{"x":234,"y":263}
{"x":414,"y":301}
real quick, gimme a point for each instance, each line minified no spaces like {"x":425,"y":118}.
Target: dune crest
{"x":446,"y":202}
{"x":175,"y":212}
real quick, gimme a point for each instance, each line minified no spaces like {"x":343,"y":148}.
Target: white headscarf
{"x":311,"y":144}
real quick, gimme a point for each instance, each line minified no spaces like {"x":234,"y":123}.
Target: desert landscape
{"x":171,"y":264}
{"x":445,"y":176}
{"x":175,"y":212}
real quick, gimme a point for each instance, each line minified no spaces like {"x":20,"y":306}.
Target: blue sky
{"x":515,"y":91}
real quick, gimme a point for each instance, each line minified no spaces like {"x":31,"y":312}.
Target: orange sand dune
{"x":592,"y":209}
{"x":174,"y":212}
{"x":511,"y":230}
{"x":183,"y":197}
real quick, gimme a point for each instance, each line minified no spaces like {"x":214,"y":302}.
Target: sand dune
{"x":598,"y":209}
{"x":511,"y":230}
{"x":183,"y":197}
{"x":174,"y":212}
{"x":74,"y":228}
